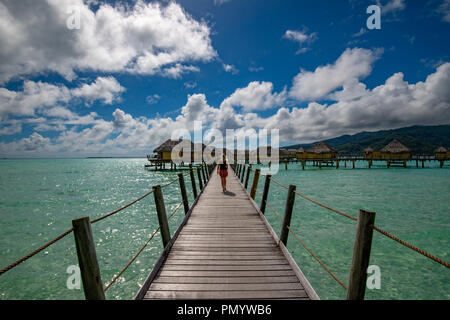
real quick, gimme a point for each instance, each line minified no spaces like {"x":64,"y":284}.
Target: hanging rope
{"x":168,"y":184}
{"x":304,"y":246}
{"x":120,"y":209}
{"x":406,"y":244}
{"x":132,"y":260}
{"x":17,"y":262}
{"x":140,"y":251}
{"x":12,"y":265}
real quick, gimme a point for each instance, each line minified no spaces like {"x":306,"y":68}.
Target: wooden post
{"x":194,"y":187}
{"x":285,"y":165}
{"x":337,"y":164}
{"x":87,"y":259}
{"x":203,"y":174}
{"x":303,"y":165}
{"x":287,"y":214}
{"x":243,"y":174}
{"x":183,"y":193}
{"x":361,"y":255}
{"x":205,"y":178}
{"x":423,"y":163}
{"x":248,"y":175}
{"x":265,"y":193}
{"x":200,"y":183}
{"x":353,"y":161}
{"x":255,"y":184}
{"x":441,"y":163}
{"x":162,"y":217}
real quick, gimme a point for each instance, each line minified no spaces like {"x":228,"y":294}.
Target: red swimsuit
{"x":223,"y":171}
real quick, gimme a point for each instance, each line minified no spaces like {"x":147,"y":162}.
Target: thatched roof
{"x":300,"y":150}
{"x":321,"y":147}
{"x":440,"y":150}
{"x":395,"y":146}
{"x":169,"y":144}
{"x":368,"y":149}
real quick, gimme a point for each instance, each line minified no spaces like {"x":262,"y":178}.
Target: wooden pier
{"x":226,"y":250}
{"x":224,"y":247}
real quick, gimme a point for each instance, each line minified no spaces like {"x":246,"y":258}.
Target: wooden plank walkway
{"x":227,"y":250}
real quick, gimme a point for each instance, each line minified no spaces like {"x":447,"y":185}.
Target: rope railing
{"x":28,"y":256}
{"x":62,"y":235}
{"x":304,"y":246}
{"x":385,"y":233}
{"x":140,"y":251}
{"x":205,"y":174}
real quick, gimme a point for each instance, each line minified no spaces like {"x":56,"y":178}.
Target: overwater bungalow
{"x":369,"y":153}
{"x":321,"y":150}
{"x":301,"y":154}
{"x":395,"y":150}
{"x":165,"y":154}
{"x":441,"y":153}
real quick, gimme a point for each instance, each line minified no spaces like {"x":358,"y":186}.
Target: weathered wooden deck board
{"x":227,"y":250}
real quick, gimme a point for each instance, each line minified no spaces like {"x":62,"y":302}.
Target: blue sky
{"x":132,"y":73}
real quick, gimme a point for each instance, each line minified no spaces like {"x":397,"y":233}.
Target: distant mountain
{"x":421,"y":139}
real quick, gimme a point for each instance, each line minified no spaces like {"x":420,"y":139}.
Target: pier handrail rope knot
{"x":379,"y":230}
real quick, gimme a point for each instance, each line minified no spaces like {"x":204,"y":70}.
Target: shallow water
{"x":40,"y":197}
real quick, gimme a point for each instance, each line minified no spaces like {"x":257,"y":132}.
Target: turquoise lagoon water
{"x":40,"y":197}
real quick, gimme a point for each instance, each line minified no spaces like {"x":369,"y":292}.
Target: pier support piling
{"x":265,"y":193}
{"x":87,"y":259}
{"x":248,"y":176}
{"x":162,"y":217}
{"x":255,"y":184}
{"x":287,"y":214}
{"x":194,"y":187}
{"x":199,"y":179}
{"x":361,"y":255}
{"x":183,"y":193}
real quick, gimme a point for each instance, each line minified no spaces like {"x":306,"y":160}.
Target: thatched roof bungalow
{"x":321,"y":150}
{"x":301,"y":154}
{"x":369,"y":153}
{"x":395,"y":150}
{"x":441,"y":153}
{"x":165,"y":150}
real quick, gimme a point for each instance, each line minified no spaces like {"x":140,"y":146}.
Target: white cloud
{"x":38,"y":96}
{"x":444,"y":9}
{"x":220,"y":2}
{"x":302,"y":38}
{"x":352,"y":65}
{"x":393,"y":104}
{"x":152,"y":99}
{"x":33,"y":96}
{"x":230,"y":68}
{"x":106,"y":89}
{"x":147,"y":38}
{"x":392,"y":6}
{"x":256,"y":96}
{"x":359,"y":33}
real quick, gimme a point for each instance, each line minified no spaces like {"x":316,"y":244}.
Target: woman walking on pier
{"x":222,"y":170}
